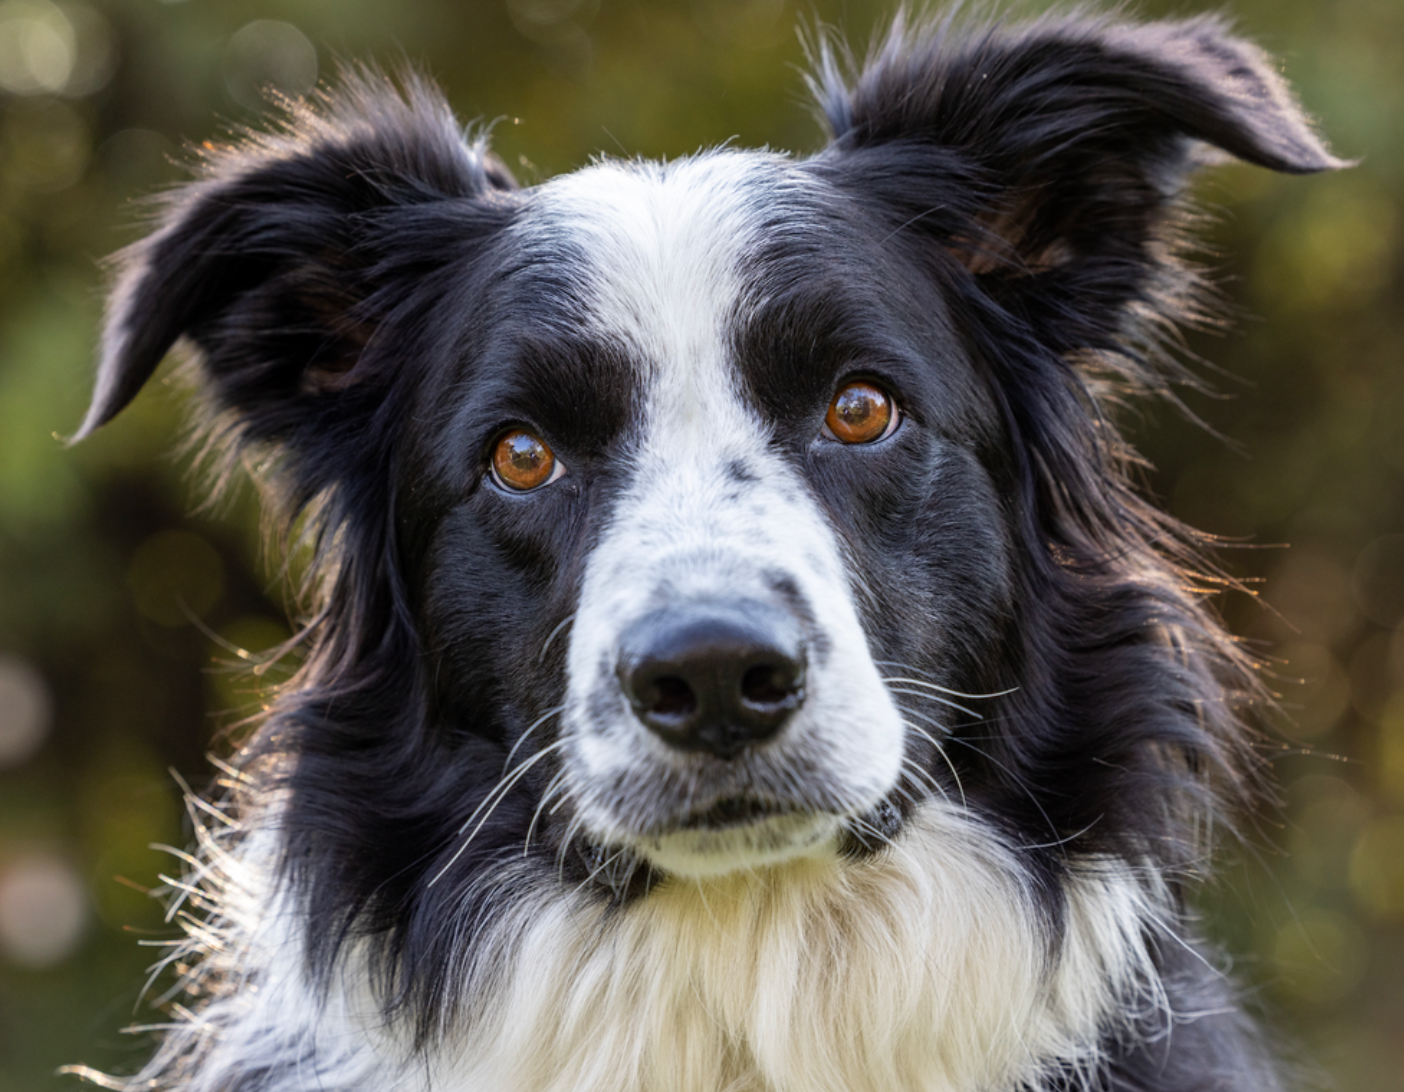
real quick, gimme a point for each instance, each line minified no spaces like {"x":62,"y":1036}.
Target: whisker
{"x":509,"y":779}
{"x":925,"y":775}
{"x":555,"y":785}
{"x":601,"y":867}
{"x":944,"y":729}
{"x":1018,"y":780}
{"x":930,"y":697}
{"x":534,"y":726}
{"x":490,"y":802}
{"x":572,"y":829}
{"x":553,"y":634}
{"x":953,"y":693}
{"x":871,"y":832}
{"x":905,"y":795}
{"x":964,"y":803}
{"x":936,"y":686}
{"x":1067,"y":839}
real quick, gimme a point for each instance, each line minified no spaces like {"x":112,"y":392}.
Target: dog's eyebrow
{"x":791,"y":349}
{"x":586,"y":387}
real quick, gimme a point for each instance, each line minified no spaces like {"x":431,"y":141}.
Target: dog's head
{"x":677,"y":519}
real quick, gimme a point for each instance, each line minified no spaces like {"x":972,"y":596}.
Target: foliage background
{"x":107,"y":685}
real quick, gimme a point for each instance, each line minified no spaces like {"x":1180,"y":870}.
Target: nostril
{"x":674,"y":699}
{"x":768,"y":685}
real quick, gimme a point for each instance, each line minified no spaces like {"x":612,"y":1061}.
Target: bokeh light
{"x":38,"y":47}
{"x":550,"y":22}
{"x":175,"y":577}
{"x":43,"y":909}
{"x":1319,"y":957}
{"x":25,"y":710}
{"x":265,"y":55}
{"x":1377,"y":867}
{"x":1379,"y":579}
{"x":48,"y":48}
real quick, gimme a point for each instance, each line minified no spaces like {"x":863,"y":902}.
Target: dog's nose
{"x":714,"y":677}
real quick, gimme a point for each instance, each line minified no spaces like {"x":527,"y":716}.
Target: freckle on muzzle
{"x":715,"y":676}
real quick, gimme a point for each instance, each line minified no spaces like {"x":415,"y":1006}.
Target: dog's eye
{"x":860,"y":413}
{"x":521,"y":462}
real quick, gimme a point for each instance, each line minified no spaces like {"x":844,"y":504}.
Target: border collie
{"x":739,"y":659}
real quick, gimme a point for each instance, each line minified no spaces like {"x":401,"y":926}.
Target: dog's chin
{"x":716,"y":845}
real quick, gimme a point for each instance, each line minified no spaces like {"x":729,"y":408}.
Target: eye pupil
{"x":522,"y":461}
{"x":860,"y":413}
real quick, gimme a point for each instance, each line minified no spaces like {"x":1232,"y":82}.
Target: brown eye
{"x":860,"y":413}
{"x":522,"y":462}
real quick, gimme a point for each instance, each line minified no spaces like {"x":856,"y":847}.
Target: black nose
{"x":715,"y":676}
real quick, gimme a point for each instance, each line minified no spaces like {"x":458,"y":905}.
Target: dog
{"x":738,"y":658}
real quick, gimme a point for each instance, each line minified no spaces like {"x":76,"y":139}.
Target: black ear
{"x":1048,"y":157}
{"x":282,"y":260}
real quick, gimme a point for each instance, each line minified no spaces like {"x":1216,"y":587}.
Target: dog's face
{"x":706,"y":581}
{"x":708,"y":520}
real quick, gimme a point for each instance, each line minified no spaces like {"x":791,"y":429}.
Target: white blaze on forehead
{"x":664,"y":244}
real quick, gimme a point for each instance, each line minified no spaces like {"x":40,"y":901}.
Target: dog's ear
{"x":281,"y":261}
{"x":1048,"y":158}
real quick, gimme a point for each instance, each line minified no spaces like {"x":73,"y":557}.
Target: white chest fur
{"x":919,"y":969}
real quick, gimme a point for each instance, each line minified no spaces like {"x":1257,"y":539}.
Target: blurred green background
{"x":121,"y":614}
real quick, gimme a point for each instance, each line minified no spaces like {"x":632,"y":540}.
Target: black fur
{"x":352,"y":288}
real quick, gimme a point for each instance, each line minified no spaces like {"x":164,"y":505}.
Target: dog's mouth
{"x":737,"y":833}
{"x":733,"y":812}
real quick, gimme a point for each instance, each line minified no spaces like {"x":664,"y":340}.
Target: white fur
{"x":917,"y":970}
{"x":242,"y":969}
